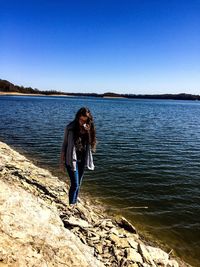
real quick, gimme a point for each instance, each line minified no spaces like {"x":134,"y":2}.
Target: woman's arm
{"x":63,"y":148}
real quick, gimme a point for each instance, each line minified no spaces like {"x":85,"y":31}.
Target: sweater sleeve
{"x":64,"y":144}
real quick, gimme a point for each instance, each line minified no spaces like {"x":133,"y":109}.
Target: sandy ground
{"x":15,"y":93}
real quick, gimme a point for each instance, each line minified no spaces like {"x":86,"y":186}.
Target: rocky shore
{"x":38,"y":228}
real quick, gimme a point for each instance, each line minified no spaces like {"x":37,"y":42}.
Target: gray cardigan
{"x":69,"y":149}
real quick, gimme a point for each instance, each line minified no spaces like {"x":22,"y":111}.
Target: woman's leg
{"x":80,"y":167}
{"x":75,"y":179}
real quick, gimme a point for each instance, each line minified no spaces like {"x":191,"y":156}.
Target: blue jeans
{"x":75,"y":179}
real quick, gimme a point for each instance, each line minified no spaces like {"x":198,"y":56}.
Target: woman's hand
{"x":86,"y":127}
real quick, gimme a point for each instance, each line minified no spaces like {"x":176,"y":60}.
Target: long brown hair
{"x":91,"y":136}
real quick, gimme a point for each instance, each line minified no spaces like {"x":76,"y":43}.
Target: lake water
{"x":148,"y":155}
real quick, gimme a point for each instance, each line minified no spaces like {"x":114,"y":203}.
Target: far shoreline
{"x":57,"y":95}
{"x":136,"y":97}
{"x":8,"y":88}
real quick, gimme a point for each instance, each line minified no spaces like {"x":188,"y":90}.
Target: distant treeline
{"x":6,"y":86}
{"x":182,"y":96}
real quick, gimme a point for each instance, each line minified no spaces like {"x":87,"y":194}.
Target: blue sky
{"x":129,"y":46}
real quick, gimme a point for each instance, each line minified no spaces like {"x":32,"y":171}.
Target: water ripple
{"x":148,"y":155}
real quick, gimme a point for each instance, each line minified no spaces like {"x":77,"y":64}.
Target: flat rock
{"x":77,"y":222}
{"x":158,"y":255}
{"x":132,"y":242}
{"x":124,"y":223}
{"x":146,"y":255}
{"x":120,"y":242}
{"x":133,"y":255}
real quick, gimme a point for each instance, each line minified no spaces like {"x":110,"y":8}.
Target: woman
{"x":78,"y":144}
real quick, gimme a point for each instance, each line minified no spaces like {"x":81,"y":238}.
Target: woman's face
{"x":83,"y":120}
